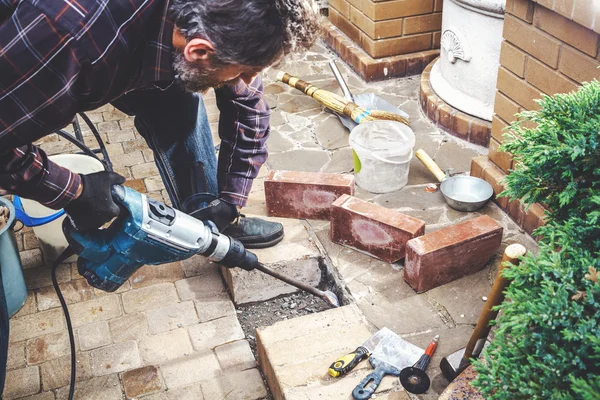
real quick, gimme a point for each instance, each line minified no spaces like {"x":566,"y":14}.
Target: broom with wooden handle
{"x":337,"y":103}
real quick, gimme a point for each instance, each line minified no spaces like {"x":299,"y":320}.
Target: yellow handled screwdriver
{"x":344,"y":364}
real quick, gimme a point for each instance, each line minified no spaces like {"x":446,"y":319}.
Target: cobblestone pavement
{"x":172,"y":331}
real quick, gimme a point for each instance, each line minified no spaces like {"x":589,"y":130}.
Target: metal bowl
{"x":466,"y":193}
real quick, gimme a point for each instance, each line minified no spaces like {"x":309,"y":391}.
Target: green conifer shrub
{"x":547,"y":345}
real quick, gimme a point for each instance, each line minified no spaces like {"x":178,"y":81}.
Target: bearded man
{"x":151,"y":59}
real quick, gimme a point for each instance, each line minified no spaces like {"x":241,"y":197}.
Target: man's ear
{"x":198,"y":49}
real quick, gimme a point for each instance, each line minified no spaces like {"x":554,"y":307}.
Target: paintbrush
{"x":338,"y":103}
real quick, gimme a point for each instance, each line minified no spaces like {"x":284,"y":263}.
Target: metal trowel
{"x":366,"y":100}
{"x":390,"y":356}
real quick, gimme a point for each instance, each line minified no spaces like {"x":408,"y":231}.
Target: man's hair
{"x":249,"y":32}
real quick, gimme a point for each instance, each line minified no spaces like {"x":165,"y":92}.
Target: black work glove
{"x":95,"y":206}
{"x":218,"y":211}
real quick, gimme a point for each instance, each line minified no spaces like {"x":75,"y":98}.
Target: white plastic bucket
{"x":51,"y":237}
{"x":382,"y":153}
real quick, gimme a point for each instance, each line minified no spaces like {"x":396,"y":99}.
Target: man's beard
{"x":194,"y":78}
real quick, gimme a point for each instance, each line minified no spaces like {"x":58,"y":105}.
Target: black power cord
{"x":66,"y":254}
{"x":69,"y":250}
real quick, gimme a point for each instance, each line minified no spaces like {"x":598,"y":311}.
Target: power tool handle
{"x":344,"y":364}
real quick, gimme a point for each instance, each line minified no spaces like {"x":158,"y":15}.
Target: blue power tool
{"x":149,"y":232}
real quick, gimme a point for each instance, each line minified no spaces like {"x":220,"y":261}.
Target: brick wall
{"x":389,"y":28}
{"x":549,"y":47}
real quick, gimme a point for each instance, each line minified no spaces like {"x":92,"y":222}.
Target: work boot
{"x":255,"y":233}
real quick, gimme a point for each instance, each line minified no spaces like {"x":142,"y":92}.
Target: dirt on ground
{"x":269,"y":312}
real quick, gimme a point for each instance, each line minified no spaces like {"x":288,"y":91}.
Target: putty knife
{"x":390,"y":356}
{"x":344,"y":364}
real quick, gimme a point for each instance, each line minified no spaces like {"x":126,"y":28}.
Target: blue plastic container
{"x":10,"y":263}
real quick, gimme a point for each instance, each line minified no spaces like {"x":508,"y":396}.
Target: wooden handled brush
{"x":337,"y":103}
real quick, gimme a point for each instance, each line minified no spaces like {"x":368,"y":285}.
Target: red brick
{"x":516,"y":211}
{"x":308,"y":195}
{"x":136,"y":184}
{"x":479,"y":132}
{"x":439,"y":4}
{"x":520,"y":8}
{"x":505,"y":108}
{"x":423,"y":23}
{"x":518,"y":90}
{"x":534,"y":218}
{"x":548,"y":80}
{"x":141,"y":381}
{"x":341,"y":6}
{"x":461,"y":125}
{"x":373,"y":229}
{"x":395,"y":46}
{"x":495,"y":177}
{"x":378,"y":11}
{"x":535,"y":42}
{"x":513,"y":59}
{"x":566,"y":30}
{"x":437,"y":37}
{"x":478,"y":166}
{"x":578,"y":66}
{"x":585,"y":13}
{"x":376,"y":30}
{"x":451,"y":253}
{"x":501,"y":159}
{"x":344,"y":25}
{"x":498,"y":129}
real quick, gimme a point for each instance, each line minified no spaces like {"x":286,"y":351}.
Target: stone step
{"x":296,"y":256}
{"x":295,"y":355}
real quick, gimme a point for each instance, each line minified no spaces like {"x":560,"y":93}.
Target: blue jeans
{"x":175,"y":126}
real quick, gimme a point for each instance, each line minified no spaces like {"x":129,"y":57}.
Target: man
{"x":150,"y":59}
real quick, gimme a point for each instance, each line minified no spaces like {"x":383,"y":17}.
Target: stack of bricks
{"x":384,"y":39}
{"x":549,"y":47}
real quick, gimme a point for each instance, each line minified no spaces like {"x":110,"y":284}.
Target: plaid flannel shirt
{"x":61,"y":57}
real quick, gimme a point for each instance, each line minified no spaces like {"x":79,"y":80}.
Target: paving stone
{"x":277,"y":118}
{"x":462,"y":298}
{"x":149,"y":298}
{"x":278,"y":142}
{"x":342,"y":162}
{"x":411,"y":197}
{"x":29,"y":307}
{"x":100,"y":309}
{"x":295,"y":354}
{"x":101,"y":388}
{"x":118,"y":135}
{"x":128,"y":159}
{"x":209,"y":309}
{"x":171,"y":317}
{"x":57,"y":373}
{"x":145,"y":170}
{"x":38,"y":324}
{"x":293,"y":194}
{"x":154,"y":183}
{"x":451,"y":253}
{"x":115,"y":358}
{"x":299,"y":103}
{"x":150,"y":275}
{"x":46,"y":348}
{"x":452,"y":155}
{"x":16,"y":355}
{"x":185,"y":371}
{"x":157,"y":349}
{"x":331,"y":134}
{"x":94,"y":335}
{"x":128,"y":327}
{"x":31,"y":258}
{"x":198,"y":265}
{"x":73,"y":291}
{"x":40,"y":277}
{"x":430,"y":216}
{"x":296,"y":255}
{"x":42,"y":396}
{"x":206,"y":286}
{"x":296,"y":160}
{"x":373,"y":229}
{"x":192,"y":392}
{"x":21,"y":382}
{"x":236,"y":356}
{"x":209,"y":335}
{"x":245,"y":385}
{"x":142,"y":381}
